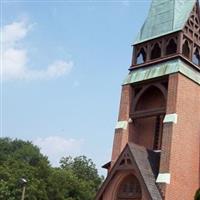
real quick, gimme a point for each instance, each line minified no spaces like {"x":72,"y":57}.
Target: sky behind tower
{"x":63,"y":65}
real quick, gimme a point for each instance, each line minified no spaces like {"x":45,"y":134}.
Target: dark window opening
{"x":157,"y":136}
{"x":196,"y":20}
{"x":122,"y":162}
{"x":156,"y":52}
{"x":141,"y":57}
{"x":186,"y":49}
{"x":196,"y":57}
{"x":151,"y":98}
{"x":129,"y":162}
{"x":171,"y":47}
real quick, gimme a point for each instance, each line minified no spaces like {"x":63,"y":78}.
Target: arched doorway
{"x":129,"y":189}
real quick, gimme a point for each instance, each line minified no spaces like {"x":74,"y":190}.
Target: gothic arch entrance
{"x":129,"y":189}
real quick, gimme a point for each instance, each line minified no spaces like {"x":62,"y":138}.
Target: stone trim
{"x":163,"y":178}
{"x":171,"y":118}
{"x":121,"y":125}
{"x":159,"y":70}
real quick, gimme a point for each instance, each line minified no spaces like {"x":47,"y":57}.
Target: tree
{"x":75,"y":179}
{"x":85,"y":171}
{"x":22,"y":159}
{"x":197,"y":195}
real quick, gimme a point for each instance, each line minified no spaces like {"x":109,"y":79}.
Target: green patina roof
{"x":165,"y":16}
{"x":162,"y":69}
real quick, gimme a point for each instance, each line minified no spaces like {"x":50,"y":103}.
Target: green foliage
{"x":197,"y":195}
{"x":22,"y":159}
{"x":83,"y":168}
{"x":85,"y":173}
{"x":75,"y":179}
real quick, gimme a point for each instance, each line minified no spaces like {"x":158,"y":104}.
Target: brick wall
{"x":184,"y":151}
{"x":181,"y":142}
{"x":121,"y":135}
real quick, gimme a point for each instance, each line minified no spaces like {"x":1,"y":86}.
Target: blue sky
{"x":63,"y":65}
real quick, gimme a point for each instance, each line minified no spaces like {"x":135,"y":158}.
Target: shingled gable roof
{"x":165,"y":16}
{"x":145,"y":162}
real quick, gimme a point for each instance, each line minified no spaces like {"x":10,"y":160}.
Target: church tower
{"x":156,"y":148}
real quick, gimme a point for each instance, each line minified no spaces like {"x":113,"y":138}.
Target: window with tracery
{"x":129,"y":189}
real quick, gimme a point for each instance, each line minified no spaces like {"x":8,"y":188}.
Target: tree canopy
{"x":76,"y":178}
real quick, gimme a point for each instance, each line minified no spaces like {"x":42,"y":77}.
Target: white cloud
{"x":56,"y":147}
{"x":14,"y":32}
{"x":15,"y":59}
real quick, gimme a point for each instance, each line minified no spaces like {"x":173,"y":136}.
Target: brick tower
{"x":156,"y":148}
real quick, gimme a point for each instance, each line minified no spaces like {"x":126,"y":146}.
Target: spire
{"x":165,"y":16}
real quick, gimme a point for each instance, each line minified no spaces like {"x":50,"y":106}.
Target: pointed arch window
{"x":141,"y":57}
{"x":171,"y":47}
{"x":186,"y":49}
{"x":156,"y":51}
{"x":129,"y":189}
{"x":196,"y":57}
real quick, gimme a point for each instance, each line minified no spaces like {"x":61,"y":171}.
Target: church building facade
{"x":156,"y":147}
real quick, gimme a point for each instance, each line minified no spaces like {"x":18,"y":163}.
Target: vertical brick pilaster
{"x":121,"y":134}
{"x":125,"y":103}
{"x":172,"y":93}
{"x":168,"y":128}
